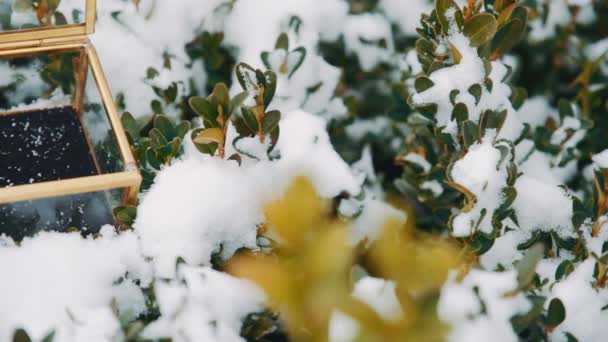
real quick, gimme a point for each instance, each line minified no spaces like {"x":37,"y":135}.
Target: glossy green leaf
{"x":470,"y":133}
{"x":164,"y":125}
{"x":508,"y":36}
{"x":480,"y":29}
{"x":250,"y":119}
{"x":21,"y":335}
{"x":282,"y":42}
{"x":476,"y":91}
{"x":556,"y":313}
{"x":423,"y":83}
{"x":271,"y":121}
{"x":460,"y":112}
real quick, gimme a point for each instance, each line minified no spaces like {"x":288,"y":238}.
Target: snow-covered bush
{"x":340,"y":170}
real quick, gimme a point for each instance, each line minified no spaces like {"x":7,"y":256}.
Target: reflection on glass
{"x":27,"y":14}
{"x":86,"y":213}
{"x":54,"y":126}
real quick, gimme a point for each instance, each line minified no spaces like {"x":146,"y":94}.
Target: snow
{"x":418,"y":160}
{"x":460,"y":306}
{"x":201,"y":207}
{"x":601,"y":159}
{"x":461,"y":77}
{"x":193,"y":307}
{"x":584,"y":305}
{"x":433,"y":186}
{"x":184,"y":213}
{"x":407,"y":18}
{"x":558,"y":15}
{"x":479,"y":172}
{"x":536,"y":207}
{"x":380,"y":295}
{"x":196,"y":205}
{"x":62,"y":282}
{"x":362,"y":34}
{"x":342,"y":328}
{"x":374,"y":215}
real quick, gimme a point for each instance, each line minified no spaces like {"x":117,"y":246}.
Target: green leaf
{"x":250,"y":119}
{"x":508,"y":36}
{"x":125,"y":214}
{"x":157,"y":138}
{"x":300,"y":54}
{"x":424,"y":47}
{"x":556,"y":313}
{"x":470,"y":133}
{"x":49,"y":337}
{"x":480,"y":29}
{"x":526,"y":267}
{"x":428,"y":110}
{"x":441,"y":8}
{"x":492,"y":120}
{"x":21,"y":335}
{"x":518,"y":97}
{"x":481,"y":244}
{"x":238,"y":100}
{"x":282,"y":42}
{"x":182,"y":129}
{"x":271,"y":121}
{"x":460,"y":112}
{"x":245,"y":75}
{"x":152,"y":159}
{"x":417,"y":119}
{"x":203,"y":107}
{"x":423,"y":83}
{"x":475,"y":90}
{"x":564,"y":269}
{"x":130,"y":125}
{"x":453,"y":95}
{"x":221,"y":93}
{"x":164,"y":125}
{"x":270,"y":88}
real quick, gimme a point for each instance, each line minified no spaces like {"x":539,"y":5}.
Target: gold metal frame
{"x":73,"y":38}
{"x":36,"y":36}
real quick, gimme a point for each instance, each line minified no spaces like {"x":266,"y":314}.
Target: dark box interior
{"x":47,"y":145}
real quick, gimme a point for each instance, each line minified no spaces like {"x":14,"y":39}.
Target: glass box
{"x":65,"y":161}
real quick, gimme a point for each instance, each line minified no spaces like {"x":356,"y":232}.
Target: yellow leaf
{"x":210,"y":135}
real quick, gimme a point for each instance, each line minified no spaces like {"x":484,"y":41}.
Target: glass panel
{"x":99,"y":131}
{"x":28,"y":14}
{"x":53,"y":125}
{"x":86,"y":213}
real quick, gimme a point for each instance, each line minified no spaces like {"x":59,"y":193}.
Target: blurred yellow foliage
{"x":308,"y":277}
